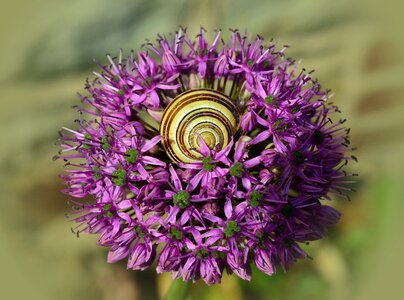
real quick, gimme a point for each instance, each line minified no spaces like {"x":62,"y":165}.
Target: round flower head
{"x":218,"y":152}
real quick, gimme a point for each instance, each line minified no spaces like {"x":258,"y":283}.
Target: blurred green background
{"x":46,"y":52}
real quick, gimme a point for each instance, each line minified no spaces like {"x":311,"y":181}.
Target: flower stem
{"x":179,"y":290}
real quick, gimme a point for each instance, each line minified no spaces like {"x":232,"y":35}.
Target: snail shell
{"x":194,"y":113}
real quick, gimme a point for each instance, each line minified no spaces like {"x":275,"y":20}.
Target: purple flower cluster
{"x":254,"y":201}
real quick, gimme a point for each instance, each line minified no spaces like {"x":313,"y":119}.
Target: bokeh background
{"x":46,"y":51}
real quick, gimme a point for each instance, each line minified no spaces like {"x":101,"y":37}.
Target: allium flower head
{"x":249,"y":189}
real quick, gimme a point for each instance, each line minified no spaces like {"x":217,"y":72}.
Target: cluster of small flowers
{"x":254,"y":201}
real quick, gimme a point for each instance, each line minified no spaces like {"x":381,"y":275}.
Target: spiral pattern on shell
{"x":198,"y":113}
